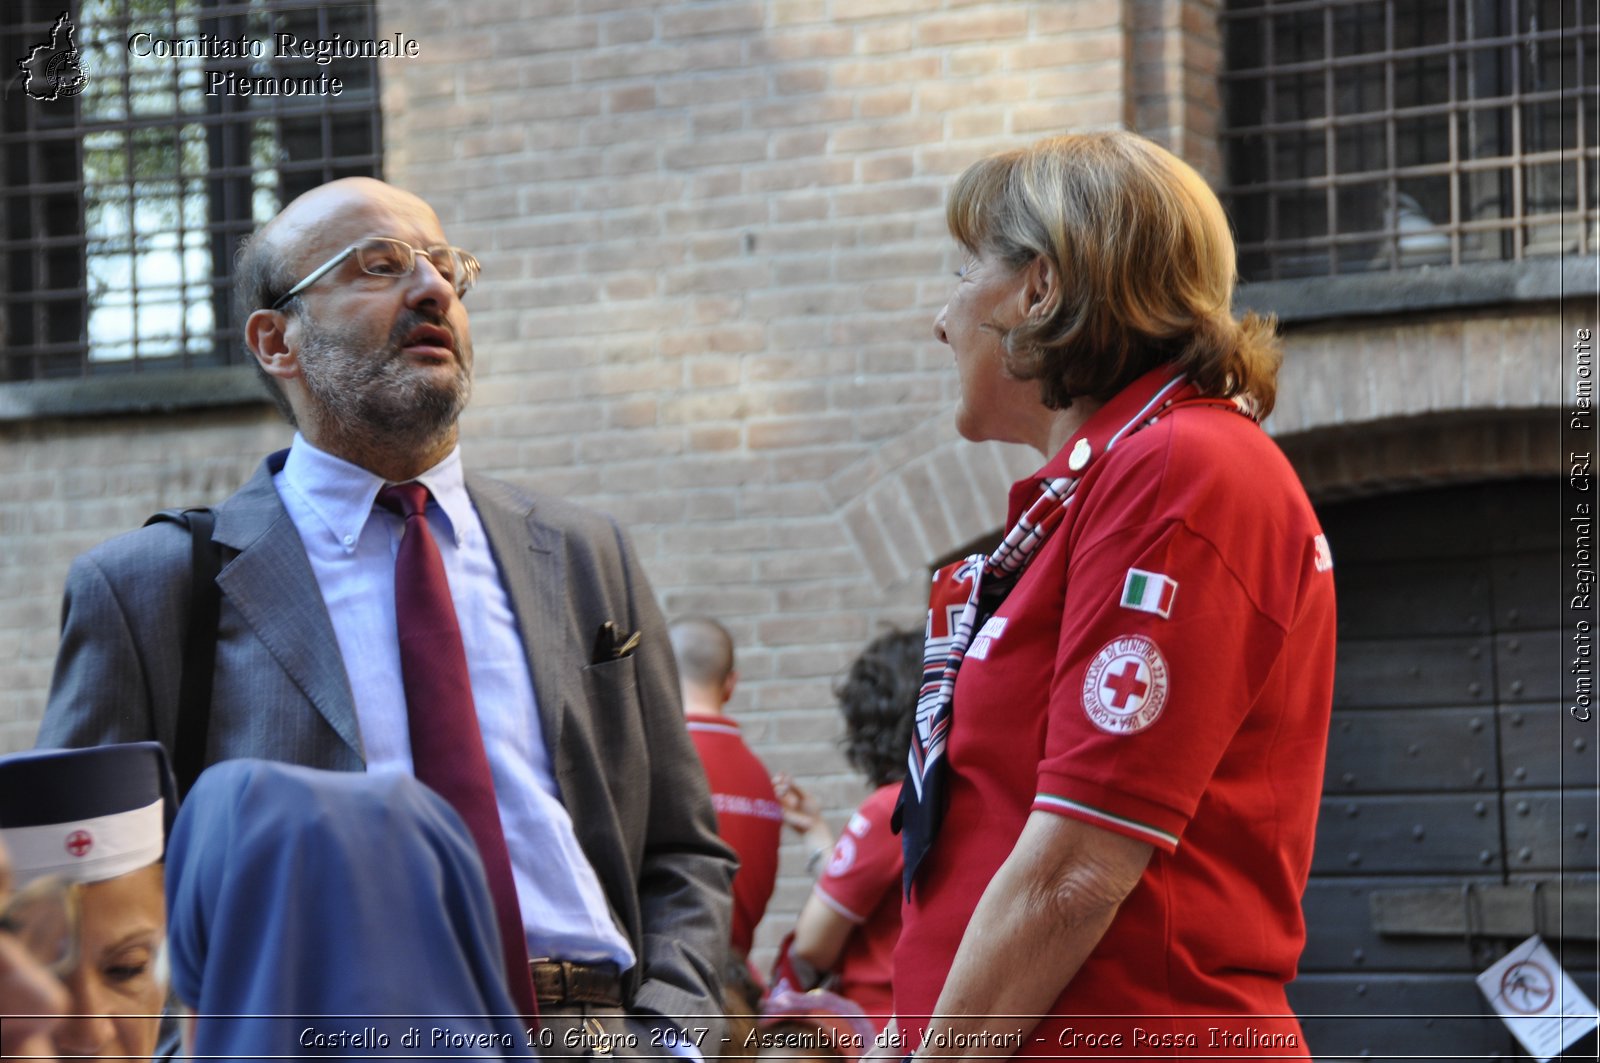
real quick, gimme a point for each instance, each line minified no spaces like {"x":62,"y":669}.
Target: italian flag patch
{"x":1149,"y":592}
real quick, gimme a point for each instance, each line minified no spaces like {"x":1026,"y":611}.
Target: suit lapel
{"x":272,"y":586}
{"x":532,"y":562}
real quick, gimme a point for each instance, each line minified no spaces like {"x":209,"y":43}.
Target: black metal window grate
{"x":122,"y":204}
{"x":1367,"y":135}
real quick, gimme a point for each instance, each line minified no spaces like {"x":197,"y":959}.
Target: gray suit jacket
{"x":627,"y":772}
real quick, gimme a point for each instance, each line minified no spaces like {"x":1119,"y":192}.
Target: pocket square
{"x":610,"y":645}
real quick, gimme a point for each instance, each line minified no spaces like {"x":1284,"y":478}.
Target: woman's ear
{"x":266,"y":334}
{"x":1041,"y":288}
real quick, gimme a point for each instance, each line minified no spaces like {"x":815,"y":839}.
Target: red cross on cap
{"x":79,"y":842}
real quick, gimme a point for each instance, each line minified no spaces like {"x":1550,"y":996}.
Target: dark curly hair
{"x":878,"y":698}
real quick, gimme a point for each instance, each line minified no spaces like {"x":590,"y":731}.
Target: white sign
{"x":1538,"y":1000}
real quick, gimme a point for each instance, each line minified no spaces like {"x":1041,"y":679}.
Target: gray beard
{"x":373,"y":401}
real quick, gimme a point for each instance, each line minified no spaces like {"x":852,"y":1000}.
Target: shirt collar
{"x":1140,"y":401}
{"x":696,"y":716}
{"x":342,"y":494}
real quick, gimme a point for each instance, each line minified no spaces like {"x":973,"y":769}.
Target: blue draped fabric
{"x":317,"y":913}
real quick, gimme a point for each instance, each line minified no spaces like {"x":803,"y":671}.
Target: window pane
{"x":1454,"y":126}
{"x":124,"y":208}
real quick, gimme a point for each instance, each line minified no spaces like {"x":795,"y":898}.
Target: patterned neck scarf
{"x":968,"y":592}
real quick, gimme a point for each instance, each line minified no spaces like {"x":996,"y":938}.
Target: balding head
{"x":704,"y":650}
{"x":320,"y":222}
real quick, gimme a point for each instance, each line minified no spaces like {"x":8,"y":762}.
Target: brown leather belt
{"x":560,"y":982}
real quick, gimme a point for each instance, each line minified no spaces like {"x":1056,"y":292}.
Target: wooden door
{"x":1459,"y":805}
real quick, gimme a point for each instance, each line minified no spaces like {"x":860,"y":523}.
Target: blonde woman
{"x":1119,"y":745}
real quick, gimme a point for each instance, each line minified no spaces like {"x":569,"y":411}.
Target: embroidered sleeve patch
{"x":844,"y":856}
{"x":1125,"y":686}
{"x":1149,"y":592}
{"x":1323,"y":555}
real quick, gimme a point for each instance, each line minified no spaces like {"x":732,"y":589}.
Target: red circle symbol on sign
{"x":1527,"y":988}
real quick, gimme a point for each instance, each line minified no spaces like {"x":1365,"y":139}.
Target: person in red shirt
{"x":850,"y":923}
{"x":1120,"y":741}
{"x":749,"y":817}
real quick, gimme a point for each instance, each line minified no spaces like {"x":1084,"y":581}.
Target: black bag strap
{"x":199,"y":643}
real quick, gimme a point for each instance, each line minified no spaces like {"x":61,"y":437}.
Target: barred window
{"x":134,"y":163}
{"x":1378,"y":135}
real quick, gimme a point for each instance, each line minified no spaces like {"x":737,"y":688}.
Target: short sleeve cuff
{"x":838,"y":906}
{"x":1134,"y":817}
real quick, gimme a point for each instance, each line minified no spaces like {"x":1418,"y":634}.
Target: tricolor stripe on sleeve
{"x":1062,"y":805}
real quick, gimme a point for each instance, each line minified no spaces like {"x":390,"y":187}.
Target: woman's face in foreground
{"x":117,"y":991}
{"x":990,"y":298}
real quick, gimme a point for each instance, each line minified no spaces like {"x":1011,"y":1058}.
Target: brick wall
{"x":69,"y":484}
{"x":713,"y":250}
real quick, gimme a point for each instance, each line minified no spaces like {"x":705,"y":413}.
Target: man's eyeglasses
{"x":44,"y":918}
{"x":382,"y":256}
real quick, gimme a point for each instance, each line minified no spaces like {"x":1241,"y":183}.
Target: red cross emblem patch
{"x":79,"y":842}
{"x":1125,"y":686}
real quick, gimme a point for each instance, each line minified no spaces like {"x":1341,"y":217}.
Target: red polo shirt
{"x":1163,"y":669}
{"x":749,"y":817}
{"x":862,"y":883}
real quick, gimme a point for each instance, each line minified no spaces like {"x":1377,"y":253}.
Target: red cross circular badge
{"x":1125,"y":686}
{"x":844,"y":856}
{"x":79,"y":842}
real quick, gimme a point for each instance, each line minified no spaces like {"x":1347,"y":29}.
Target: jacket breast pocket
{"x":611,"y":690}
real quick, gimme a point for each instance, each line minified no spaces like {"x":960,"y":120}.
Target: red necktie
{"x":446,"y":745}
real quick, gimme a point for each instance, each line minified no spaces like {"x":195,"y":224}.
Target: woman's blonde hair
{"x":1145,"y":262}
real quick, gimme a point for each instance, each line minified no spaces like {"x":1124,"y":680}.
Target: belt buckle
{"x":560,"y":968}
{"x":565,"y":967}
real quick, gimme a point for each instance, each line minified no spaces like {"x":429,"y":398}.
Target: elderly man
{"x":382,"y":610}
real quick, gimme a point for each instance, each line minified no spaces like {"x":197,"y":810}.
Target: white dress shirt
{"x":352,"y":548}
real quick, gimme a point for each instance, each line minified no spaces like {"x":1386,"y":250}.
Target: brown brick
{"x":710,"y":89}
{"x":883,"y":39}
{"x":1075,"y":17}
{"x":793,"y":81}
{"x":801,"y":207}
{"x":974,"y":62}
{"x":869,"y":73}
{"x":887,"y":199}
{"x":887,"y":168}
{"x":780,"y":433}
{"x":1100,"y":112}
{"x":955,"y":94}
{"x":865,"y":9}
{"x":789,"y":12}
{"x":820,"y":173}
{"x":967,"y":26}
{"x":543,"y":35}
{"x":722,"y":151}
{"x":1090,"y":80}
{"x":790,"y":45}
{"x":884,"y":103}
{"x":628,"y":28}
{"x":801,"y":110}
{"x":703,"y":19}
{"x":632,"y":98}
{"x":977,"y":124}
{"x":712,"y":438}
